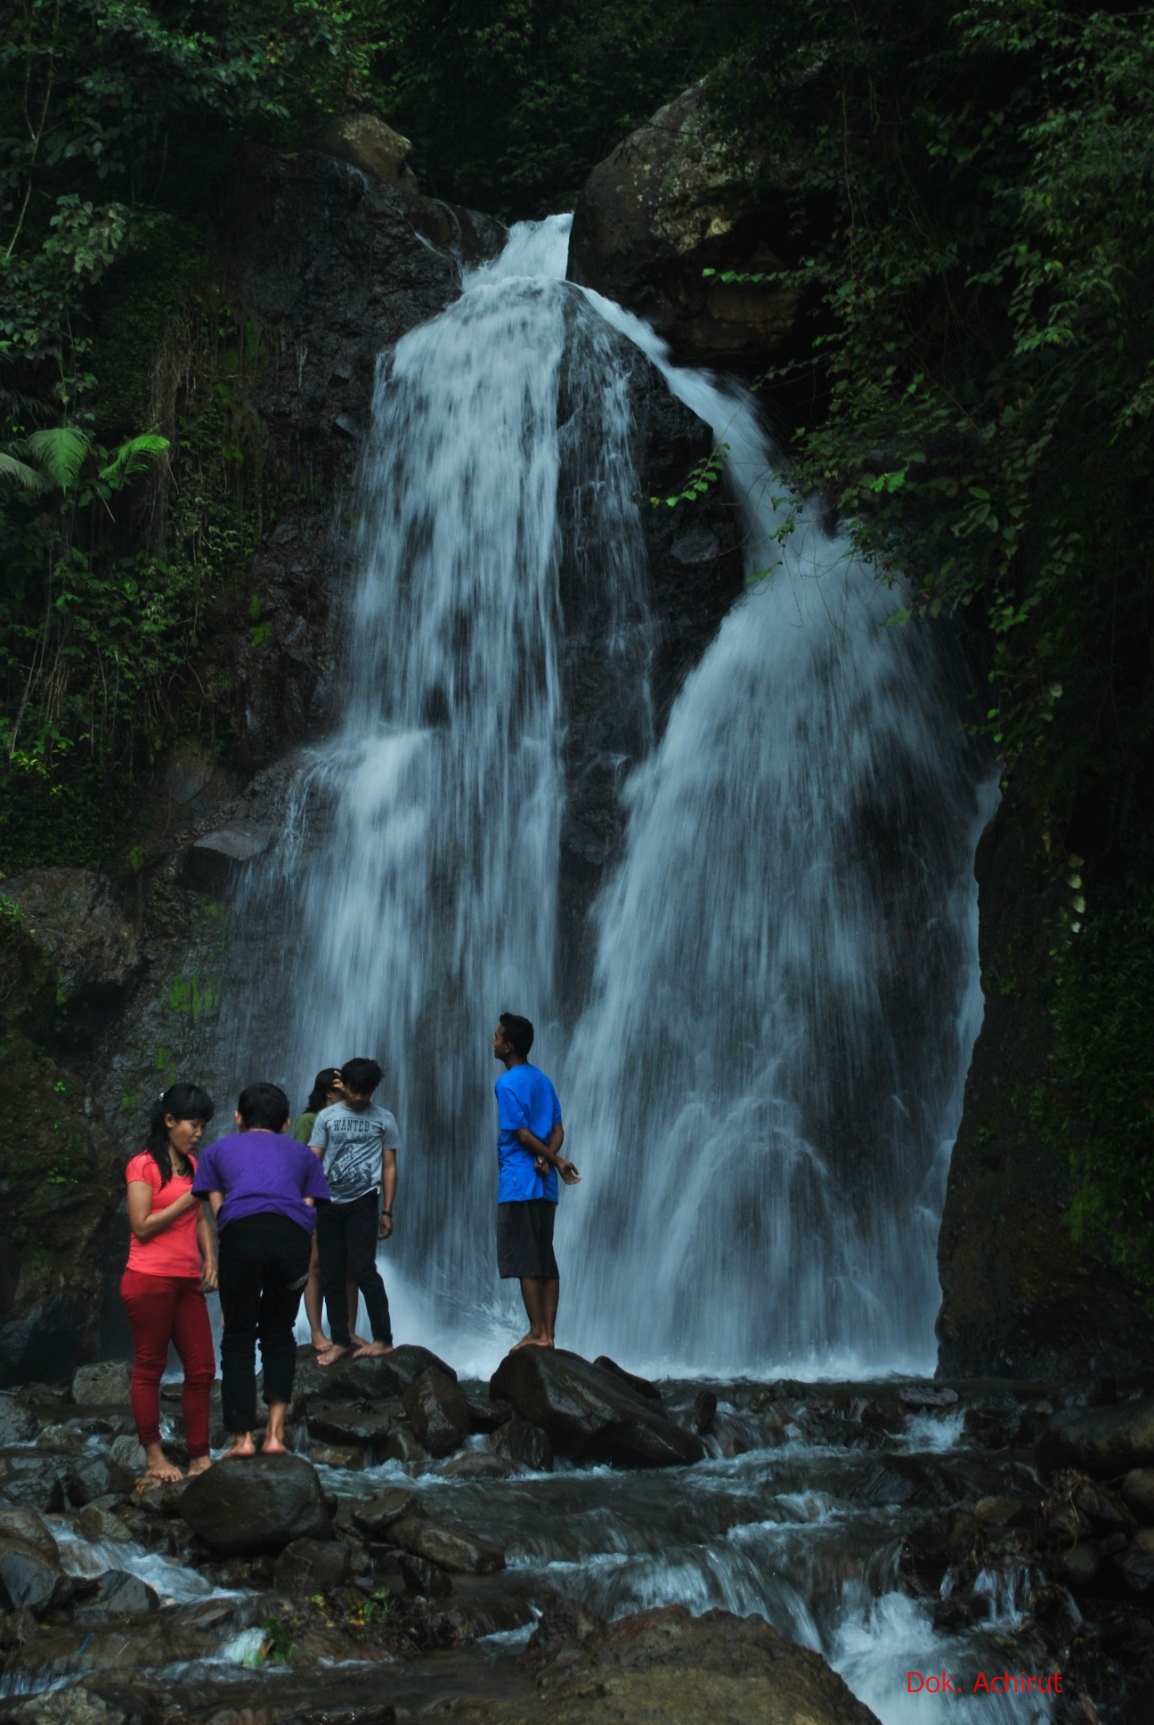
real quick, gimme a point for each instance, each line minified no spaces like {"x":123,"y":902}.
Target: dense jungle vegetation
{"x":961,"y":192}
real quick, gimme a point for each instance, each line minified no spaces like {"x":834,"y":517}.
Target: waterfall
{"x":763,"y":1082}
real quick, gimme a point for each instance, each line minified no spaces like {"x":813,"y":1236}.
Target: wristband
{"x":387,"y":1213}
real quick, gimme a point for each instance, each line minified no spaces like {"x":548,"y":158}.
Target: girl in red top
{"x":171,"y":1264}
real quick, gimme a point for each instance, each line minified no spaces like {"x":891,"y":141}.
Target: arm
{"x":388,"y":1190}
{"x":216,"y":1199}
{"x":549,"y":1152}
{"x":146,"y":1222}
{"x":206,"y":1240}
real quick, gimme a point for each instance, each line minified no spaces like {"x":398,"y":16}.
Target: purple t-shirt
{"x":259,"y":1172}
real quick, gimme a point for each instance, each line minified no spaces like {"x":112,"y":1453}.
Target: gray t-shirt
{"x":352,"y":1140}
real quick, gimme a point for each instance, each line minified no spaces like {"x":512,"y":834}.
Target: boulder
{"x":254,"y":1504}
{"x":75,"y":921}
{"x":438,"y":1409}
{"x":1102,"y":1442}
{"x":348,"y":1423}
{"x":480,"y":1464}
{"x":1138,"y":1494}
{"x":667,"y":1665}
{"x":19,"y":1522}
{"x":94,"y":1522}
{"x":18,"y":1424}
{"x":347,"y":1456}
{"x":78,"y":1705}
{"x":591,"y":1414}
{"x":519,"y":1441}
{"x":487,"y":1416}
{"x":118,"y":1594}
{"x":311,"y":1565}
{"x":376,"y":1517}
{"x":33,"y":1481}
{"x":642,"y":1386}
{"x":107,"y":1384}
{"x":368,"y":144}
{"x":96,"y":1476}
{"x":409,"y":1361}
{"x":28,"y":1576}
{"x":1136,"y":1563}
{"x":446,"y":1546}
{"x":669,"y":203}
{"x":402,"y":1446}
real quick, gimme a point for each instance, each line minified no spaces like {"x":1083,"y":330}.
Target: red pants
{"x":163,"y":1309}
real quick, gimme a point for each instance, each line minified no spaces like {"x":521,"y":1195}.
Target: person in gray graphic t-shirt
{"x":357,"y":1141}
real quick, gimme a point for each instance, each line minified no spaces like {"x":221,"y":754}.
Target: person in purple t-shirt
{"x":264,"y":1188}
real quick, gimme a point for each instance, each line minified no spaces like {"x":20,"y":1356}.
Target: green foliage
{"x":1104,"y":1070}
{"x":970,"y":225}
{"x":278,"y":1642}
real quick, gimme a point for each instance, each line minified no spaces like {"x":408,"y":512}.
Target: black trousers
{"x":347,"y":1240}
{"x":264,"y":1265}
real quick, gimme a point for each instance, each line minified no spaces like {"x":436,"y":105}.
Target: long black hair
{"x":323,"y":1083}
{"x":183,"y":1102}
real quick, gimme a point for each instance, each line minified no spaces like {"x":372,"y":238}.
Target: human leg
{"x":286,"y":1274}
{"x":150,"y":1302}
{"x":314,"y":1301}
{"x":361,"y":1234}
{"x":241,"y":1274}
{"x":331,"y":1246}
{"x":533,"y":1296}
{"x":192,"y":1338}
{"x":354,"y":1296}
{"x":525,"y":1250}
{"x":551,"y":1294}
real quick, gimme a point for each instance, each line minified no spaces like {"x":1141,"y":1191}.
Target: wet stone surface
{"x":832,"y":1538}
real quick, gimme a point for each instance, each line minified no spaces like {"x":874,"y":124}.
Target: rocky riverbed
{"x":569,"y":1543}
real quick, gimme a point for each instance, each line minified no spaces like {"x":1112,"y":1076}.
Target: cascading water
{"x":764,"y":1082}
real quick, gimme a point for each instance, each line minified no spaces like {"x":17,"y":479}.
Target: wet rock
{"x":128,"y":1453}
{"x":438,"y":1409}
{"x":1105,"y":1512}
{"x":927,"y":1396}
{"x":97,"y":1523}
{"x":348,"y":1423}
{"x":78,"y":1705}
{"x":29,"y":1577}
{"x":1138,"y":1494}
{"x":704,"y":1412}
{"x":74,"y":919}
{"x":18,"y":1424}
{"x":488,"y":1417}
{"x":19,"y":1522}
{"x":899,"y":1480}
{"x":118,"y":1594}
{"x":427,"y":1580}
{"x":591,"y":1414}
{"x":1102,"y":1442}
{"x":376,"y":1517}
{"x":667,"y":1665}
{"x":107,"y":1384}
{"x":1079,"y":1565}
{"x":1136,"y":1564}
{"x":401,"y":1445}
{"x":446,"y":1546}
{"x":62,"y":1440}
{"x":409,"y":1361}
{"x":312,"y":1565}
{"x":209,"y":863}
{"x":348,"y":1456}
{"x":642,"y":1386}
{"x":480,"y":1464}
{"x":32,"y":1480}
{"x":995,"y":1513}
{"x":96,"y":1476}
{"x":663,"y":208}
{"x":249,"y":1505}
{"x":519,"y":1441}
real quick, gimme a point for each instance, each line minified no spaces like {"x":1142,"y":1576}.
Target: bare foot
{"x":273,"y":1446}
{"x":359,"y":1341}
{"x":199,"y":1464}
{"x":527,"y":1341}
{"x":318,"y":1341}
{"x":243,"y":1446}
{"x":373,"y":1350}
{"x":158,"y":1470}
{"x":331,"y":1353}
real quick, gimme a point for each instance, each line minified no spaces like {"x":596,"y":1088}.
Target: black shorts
{"x":525,"y":1239}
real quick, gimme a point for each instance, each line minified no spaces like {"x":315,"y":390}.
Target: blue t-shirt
{"x":525,"y":1097}
{"x":258,"y":1172}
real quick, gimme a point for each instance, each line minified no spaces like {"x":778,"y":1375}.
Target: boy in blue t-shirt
{"x":529,"y":1141}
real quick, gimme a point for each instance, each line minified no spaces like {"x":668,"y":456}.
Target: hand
{"x":208,"y":1278}
{"x":386,"y":1227}
{"x":541,"y":1166}
{"x":568,"y":1172}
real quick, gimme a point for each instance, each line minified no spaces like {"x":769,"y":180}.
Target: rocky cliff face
{"x":1019,"y":1299}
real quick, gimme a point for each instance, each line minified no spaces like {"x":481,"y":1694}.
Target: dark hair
{"x":263,"y":1106}
{"x":518,"y":1033}
{"x":363,"y":1076}
{"x":183,"y":1102}
{"x":319,"y":1095}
